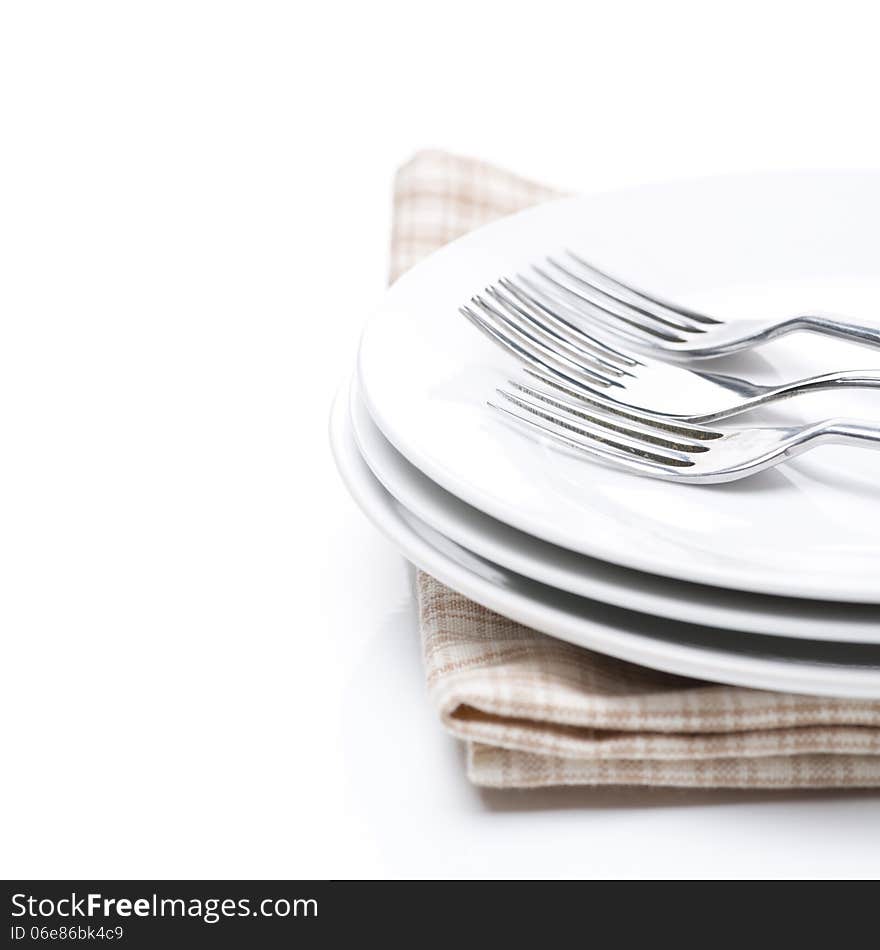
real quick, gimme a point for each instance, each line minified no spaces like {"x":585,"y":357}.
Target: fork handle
{"x":848,"y":432}
{"x":849,"y":379}
{"x":830,"y":325}
{"x":852,"y":379}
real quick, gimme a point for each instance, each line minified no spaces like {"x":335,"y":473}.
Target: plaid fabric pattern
{"x":535,"y":711}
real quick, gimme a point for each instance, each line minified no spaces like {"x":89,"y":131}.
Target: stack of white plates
{"x":773,"y":582}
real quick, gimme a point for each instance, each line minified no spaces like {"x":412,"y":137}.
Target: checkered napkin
{"x":536,"y":711}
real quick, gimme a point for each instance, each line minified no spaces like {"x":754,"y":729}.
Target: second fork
{"x":550,"y":341}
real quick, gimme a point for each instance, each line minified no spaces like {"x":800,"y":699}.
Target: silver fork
{"x":658,"y":325}
{"x":546,"y":337}
{"x":647,"y":444}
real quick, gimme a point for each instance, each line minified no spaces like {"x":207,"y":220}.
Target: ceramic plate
{"x":744,"y":659}
{"x":741,"y":246}
{"x":601,"y":580}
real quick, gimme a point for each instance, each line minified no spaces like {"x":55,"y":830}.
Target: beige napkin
{"x":536,"y":711}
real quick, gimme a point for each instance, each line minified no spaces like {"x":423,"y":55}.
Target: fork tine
{"x":688,"y":438}
{"x":547,"y":330}
{"x":546,"y":354}
{"x":502,"y":341}
{"x":595,"y":451}
{"x":597,"y":444}
{"x":621,"y":306}
{"x":525,"y":356}
{"x":556,"y":301}
{"x":585,"y":308}
{"x":666,"y":423}
{"x":646,"y":300}
{"x":610,"y":312}
{"x":637,"y":430}
{"x":566,"y":327}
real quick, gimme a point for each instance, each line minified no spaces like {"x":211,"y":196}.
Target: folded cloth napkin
{"x":536,"y":711}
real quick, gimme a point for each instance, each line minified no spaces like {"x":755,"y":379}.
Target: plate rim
{"x":651,"y":603}
{"x":724,"y":666}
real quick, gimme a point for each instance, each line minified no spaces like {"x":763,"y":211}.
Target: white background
{"x":210,"y":662}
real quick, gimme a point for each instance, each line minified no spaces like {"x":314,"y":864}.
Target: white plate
{"x":734,"y":246}
{"x":601,"y":580}
{"x":743,"y":659}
